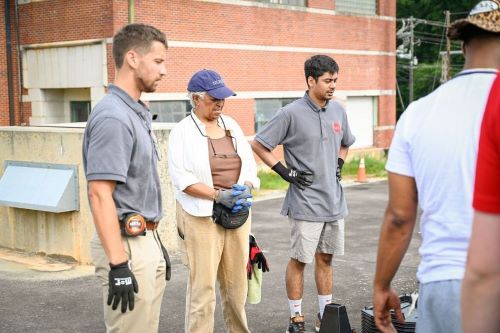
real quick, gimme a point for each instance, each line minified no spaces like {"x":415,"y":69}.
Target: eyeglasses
{"x":211,"y":143}
{"x":231,"y":155}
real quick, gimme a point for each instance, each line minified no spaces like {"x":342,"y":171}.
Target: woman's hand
{"x":235,"y":198}
{"x":243,"y":193}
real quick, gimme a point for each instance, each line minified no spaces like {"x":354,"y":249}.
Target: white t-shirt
{"x":436,"y":141}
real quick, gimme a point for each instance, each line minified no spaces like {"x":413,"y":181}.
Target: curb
{"x":278,"y":194}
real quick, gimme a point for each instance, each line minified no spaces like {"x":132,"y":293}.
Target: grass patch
{"x":269,"y":180}
{"x":374,"y":167}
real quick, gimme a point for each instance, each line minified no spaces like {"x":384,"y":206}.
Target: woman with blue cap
{"x":213,"y":171}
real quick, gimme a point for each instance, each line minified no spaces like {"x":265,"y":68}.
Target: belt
{"x":150,"y":225}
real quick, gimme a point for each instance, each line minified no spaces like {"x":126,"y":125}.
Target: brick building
{"x":63,"y":50}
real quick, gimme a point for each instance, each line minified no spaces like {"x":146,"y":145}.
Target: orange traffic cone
{"x":361,"y":171}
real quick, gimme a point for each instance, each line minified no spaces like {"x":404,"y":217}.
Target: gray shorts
{"x":307,"y":238}
{"x":438,"y":307}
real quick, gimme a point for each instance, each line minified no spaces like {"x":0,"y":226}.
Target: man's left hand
{"x":340,"y":164}
{"x":383,"y":302}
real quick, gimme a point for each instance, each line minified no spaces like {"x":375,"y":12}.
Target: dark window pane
{"x":79,"y":111}
{"x":265,"y":109}
{"x":169,"y":111}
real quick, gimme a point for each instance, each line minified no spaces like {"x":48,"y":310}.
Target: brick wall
{"x":320,"y":4}
{"x":62,"y":20}
{"x":4,"y":102}
{"x":271,"y":71}
{"x":382,"y":138}
{"x":243,"y":70}
{"x":385,"y":106}
{"x":387,"y":8}
{"x":243,"y":110}
{"x":4,"y":92}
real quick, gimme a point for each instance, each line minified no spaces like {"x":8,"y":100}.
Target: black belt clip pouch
{"x":227,"y":219}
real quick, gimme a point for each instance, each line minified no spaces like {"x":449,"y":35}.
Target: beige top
{"x":225,"y":163}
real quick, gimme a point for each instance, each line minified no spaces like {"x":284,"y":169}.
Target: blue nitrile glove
{"x":241,"y":205}
{"x":229,"y":198}
{"x":243,"y":193}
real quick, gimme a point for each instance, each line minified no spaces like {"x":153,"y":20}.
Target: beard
{"x":146,"y":86}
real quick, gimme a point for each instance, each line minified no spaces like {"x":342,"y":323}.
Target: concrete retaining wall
{"x":66,"y":234}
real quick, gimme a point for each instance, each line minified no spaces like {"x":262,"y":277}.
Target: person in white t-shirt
{"x":431,"y":163}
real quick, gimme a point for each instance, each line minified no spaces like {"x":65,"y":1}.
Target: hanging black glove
{"x":122,"y":286}
{"x":168,"y":273}
{"x":256,"y":257}
{"x":260,"y":260}
{"x":301,"y":179}
{"x":340,"y":164}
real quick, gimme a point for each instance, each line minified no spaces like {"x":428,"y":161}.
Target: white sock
{"x":295,"y":307}
{"x":323,"y":300}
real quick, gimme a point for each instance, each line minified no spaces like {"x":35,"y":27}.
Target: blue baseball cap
{"x":211,"y":82}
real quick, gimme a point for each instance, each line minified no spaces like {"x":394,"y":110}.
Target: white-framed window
{"x":302,"y":3}
{"x":169,"y":111}
{"x":363,"y":7}
{"x":265,"y":108}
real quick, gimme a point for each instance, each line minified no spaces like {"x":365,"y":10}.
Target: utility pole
{"x":447,"y":63}
{"x":410,"y":77}
{"x":131,"y":11}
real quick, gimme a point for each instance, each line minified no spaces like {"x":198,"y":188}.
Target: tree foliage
{"x":429,"y":41}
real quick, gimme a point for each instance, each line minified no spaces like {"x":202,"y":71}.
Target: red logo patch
{"x":336,"y":127}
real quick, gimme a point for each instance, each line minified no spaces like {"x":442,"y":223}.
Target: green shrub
{"x":269,"y":180}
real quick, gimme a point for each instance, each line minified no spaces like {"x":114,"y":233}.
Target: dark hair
{"x":318,"y":65}
{"x":472,"y":32}
{"x":136,"y":36}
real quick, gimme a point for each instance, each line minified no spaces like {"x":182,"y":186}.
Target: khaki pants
{"x":148,"y":266}
{"x":212,"y":254}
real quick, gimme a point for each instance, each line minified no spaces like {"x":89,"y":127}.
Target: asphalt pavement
{"x":32,"y":301}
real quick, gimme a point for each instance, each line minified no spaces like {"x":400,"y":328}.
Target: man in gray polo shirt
{"x":120,"y":157}
{"x":315,"y":136}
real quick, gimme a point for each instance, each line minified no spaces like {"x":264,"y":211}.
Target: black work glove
{"x":122,"y":286}
{"x":340,"y":164}
{"x":256,"y":257}
{"x":301,"y":179}
{"x":168,"y":273}
{"x":261,"y":262}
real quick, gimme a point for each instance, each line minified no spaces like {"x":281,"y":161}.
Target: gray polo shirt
{"x":311,"y":138}
{"x":118,"y":145}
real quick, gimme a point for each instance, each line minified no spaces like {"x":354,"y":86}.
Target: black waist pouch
{"x":225,"y":218}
